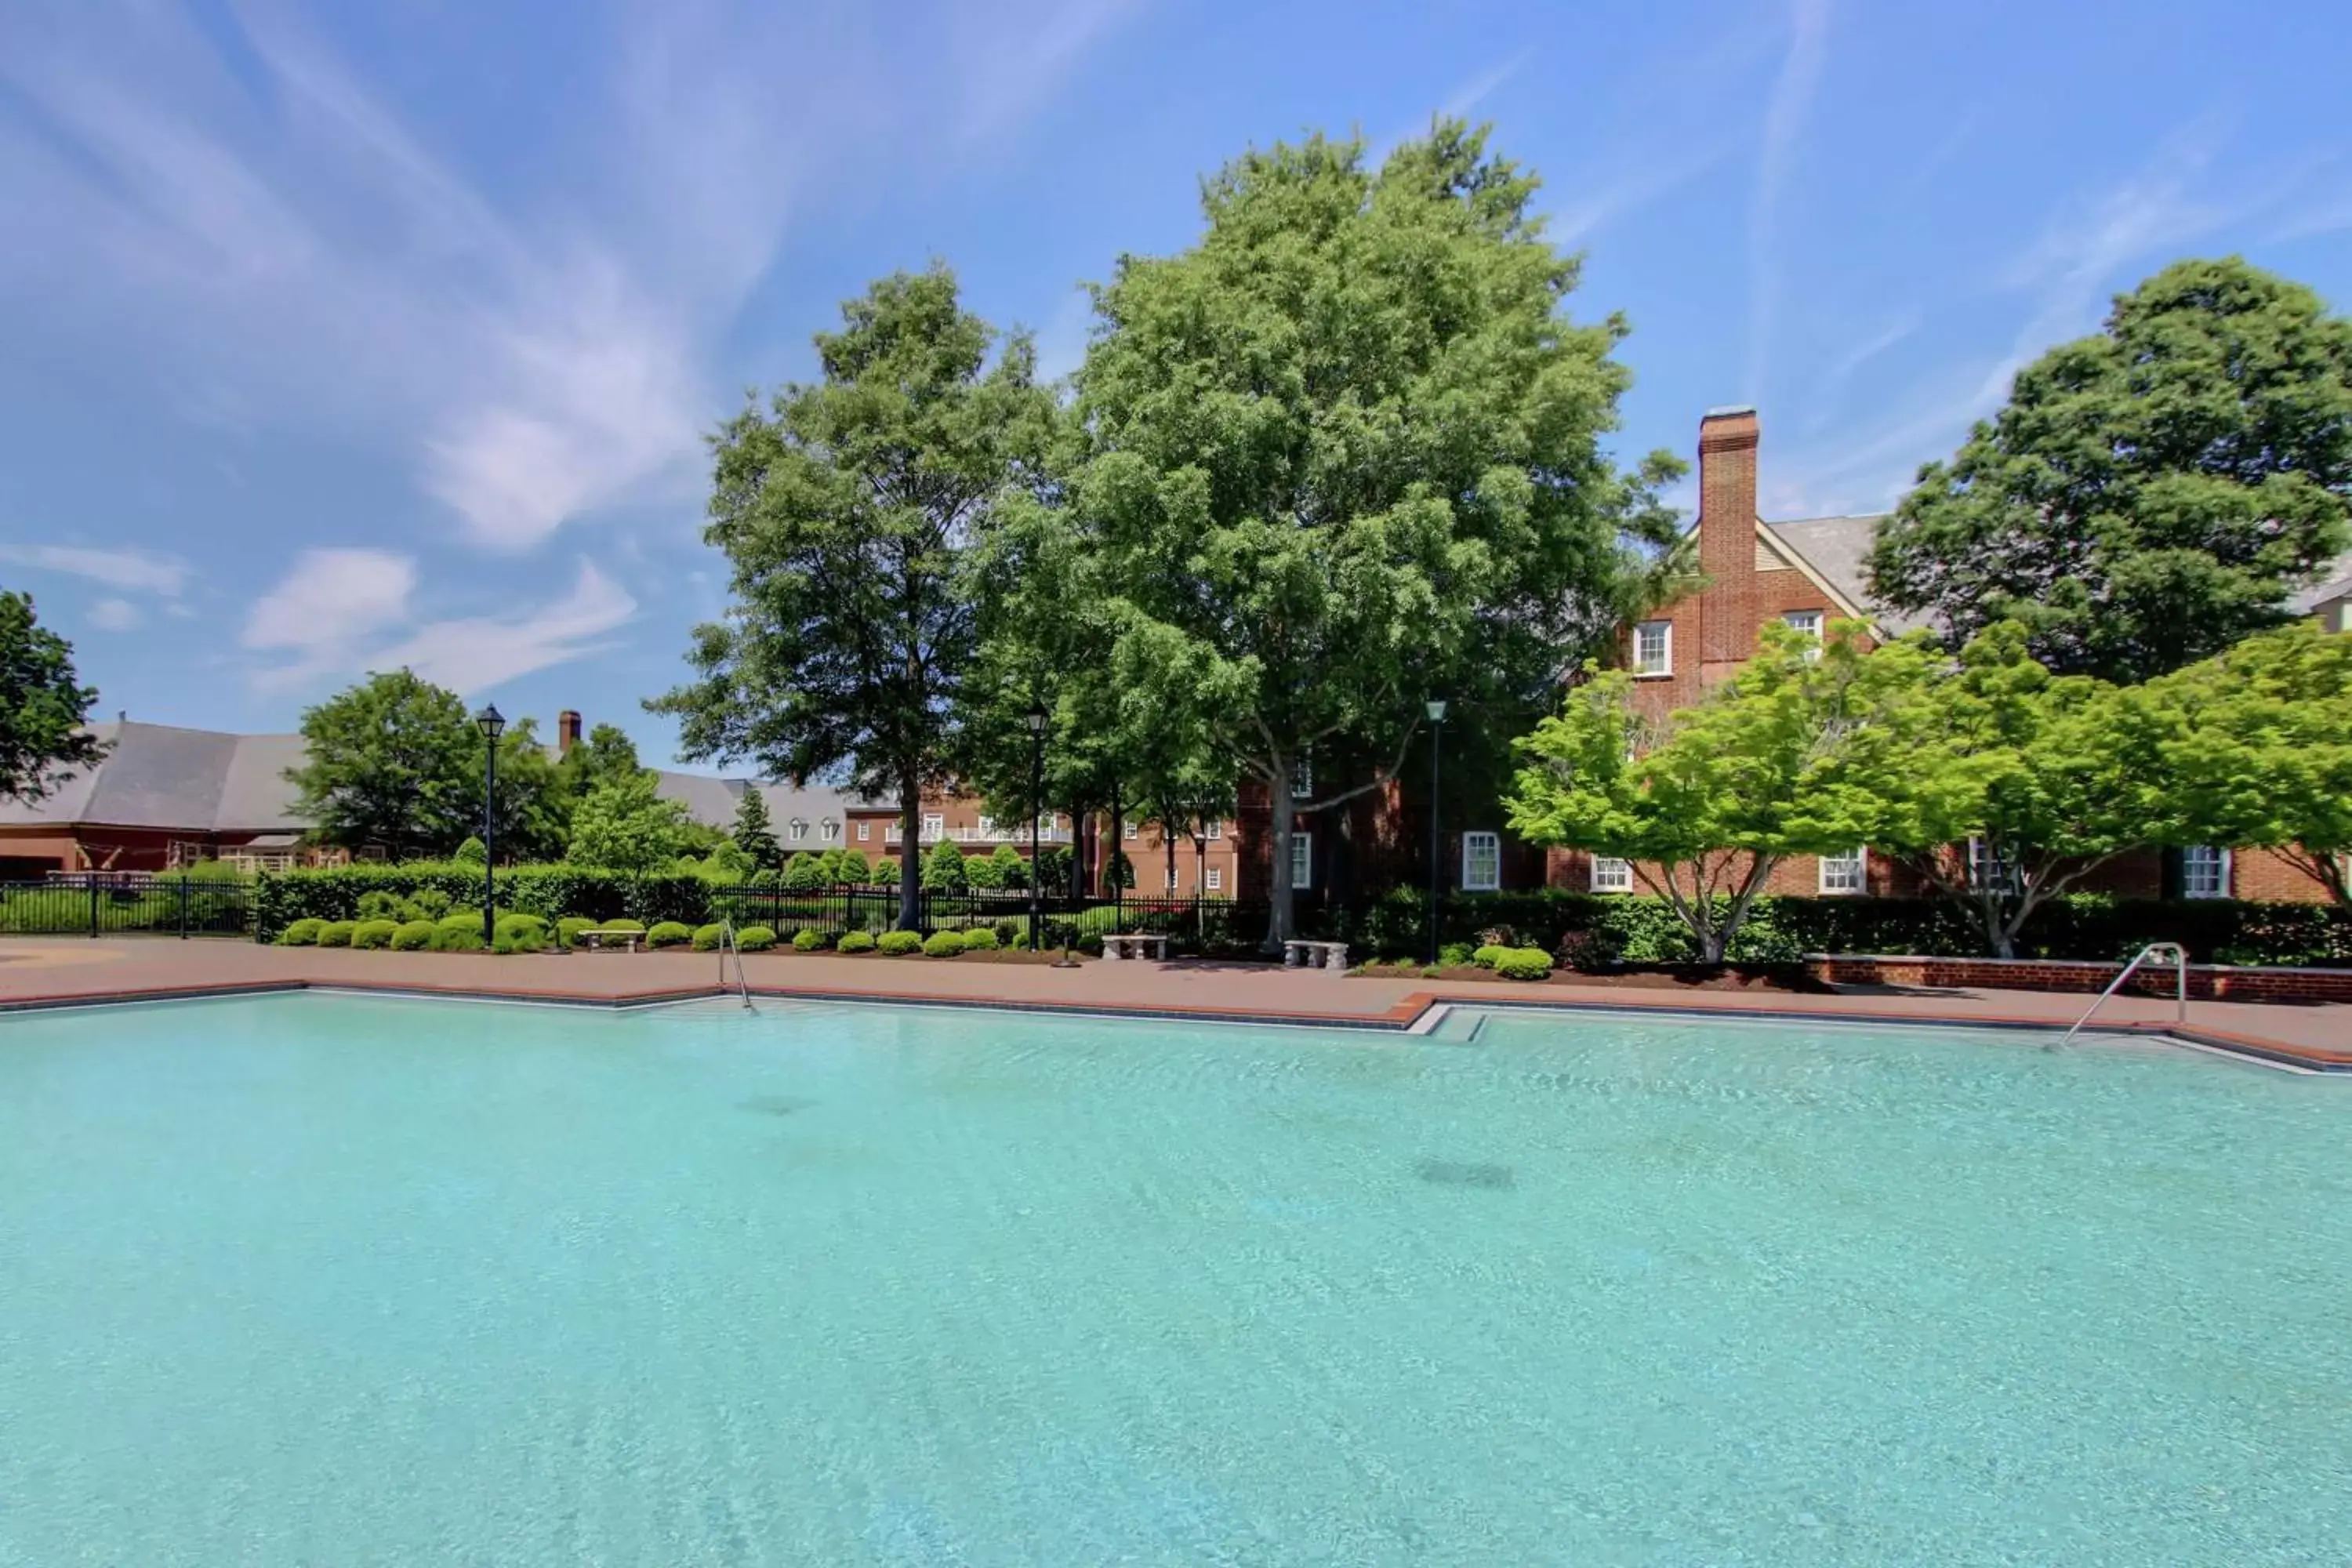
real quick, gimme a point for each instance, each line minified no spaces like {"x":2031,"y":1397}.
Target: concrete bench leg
{"x":1336,"y":957}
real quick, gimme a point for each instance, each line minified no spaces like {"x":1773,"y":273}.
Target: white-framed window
{"x":800,"y":828}
{"x":1482,"y":862}
{"x":934,"y":827}
{"x":1806,"y":621}
{"x":1216,"y":878}
{"x":988,"y":828}
{"x":1986,"y":867}
{"x":891,"y":831}
{"x":1302,"y":859}
{"x":1845,"y":873}
{"x":828,"y":829}
{"x":1302,"y":779}
{"x":1130,"y":830}
{"x":1653,"y":647}
{"x":1610,"y":875}
{"x":865,"y":831}
{"x":2204,"y":872}
{"x":1216,"y":831}
{"x":1171,"y":879}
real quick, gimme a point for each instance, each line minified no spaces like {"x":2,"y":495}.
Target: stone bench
{"x":1136,"y":944}
{"x":599,"y":941}
{"x":1297,"y":955}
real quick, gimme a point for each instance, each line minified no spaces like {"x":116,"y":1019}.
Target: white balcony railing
{"x":1015,"y":833}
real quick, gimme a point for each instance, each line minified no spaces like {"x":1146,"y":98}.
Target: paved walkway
{"x":52,"y":969}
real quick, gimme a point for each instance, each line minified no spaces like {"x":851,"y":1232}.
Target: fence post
{"x":93,"y":906}
{"x":184,"y":907}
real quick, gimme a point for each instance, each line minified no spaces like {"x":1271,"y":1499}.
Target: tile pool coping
{"x":1416,"y":1014}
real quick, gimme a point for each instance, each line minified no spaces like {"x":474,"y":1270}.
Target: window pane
{"x":1302,"y":859}
{"x":2204,"y":872}
{"x":1482,"y":862}
{"x":1842,"y":873}
{"x":1611,"y":876}
{"x":1653,"y":647}
{"x":1216,"y":878}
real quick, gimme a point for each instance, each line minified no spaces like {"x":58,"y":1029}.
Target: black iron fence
{"x":1201,"y":924}
{"x":103,"y":904}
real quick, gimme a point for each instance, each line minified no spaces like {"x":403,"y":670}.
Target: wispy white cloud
{"x":474,"y":654}
{"x":330,"y":601}
{"x":276,"y":228}
{"x":1784,"y":123}
{"x":126,"y":569}
{"x":116,"y":615}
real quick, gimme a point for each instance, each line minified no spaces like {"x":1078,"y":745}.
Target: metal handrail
{"x":727,"y":944}
{"x":2180,"y":956}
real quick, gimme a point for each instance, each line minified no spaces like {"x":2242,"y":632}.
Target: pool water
{"x":319,"y":1280}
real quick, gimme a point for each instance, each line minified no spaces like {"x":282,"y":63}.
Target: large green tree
{"x":533,"y":811}
{"x":1345,"y":453}
{"x":1708,"y":800}
{"x":2002,"y":785}
{"x":845,"y":511}
{"x":622,"y":825}
{"x":2257,"y":745}
{"x":43,"y":709}
{"x":2151,"y":494}
{"x":395,"y":763}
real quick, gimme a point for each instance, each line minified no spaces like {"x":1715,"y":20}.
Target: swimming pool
{"x":337,"y":1279}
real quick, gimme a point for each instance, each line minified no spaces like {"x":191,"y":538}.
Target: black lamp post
{"x":1036,"y":719}
{"x":1436,"y":708}
{"x":491,"y":723}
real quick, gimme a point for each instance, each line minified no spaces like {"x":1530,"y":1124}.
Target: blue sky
{"x":345,"y":336}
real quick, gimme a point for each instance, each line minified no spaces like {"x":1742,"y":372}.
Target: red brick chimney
{"x":567,"y":730}
{"x":1726,"y":538}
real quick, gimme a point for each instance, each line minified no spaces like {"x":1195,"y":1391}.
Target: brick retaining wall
{"x":2213,"y":982}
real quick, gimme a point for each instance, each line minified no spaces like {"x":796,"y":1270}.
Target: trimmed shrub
{"x":807,"y":940}
{"x":670,"y":934}
{"x":1090,"y":943}
{"x":1524,"y":964}
{"x":373,"y":933}
{"x":383,"y":906}
{"x":1485,"y":957}
{"x":943,"y":944}
{"x":449,"y":938}
{"x":637,"y":926}
{"x":568,"y":930}
{"x":301,"y":934}
{"x":755,"y":939}
{"x":943,"y":868}
{"x":521,"y":934}
{"x":898,"y":943}
{"x":1454,"y":954}
{"x":337,"y":933}
{"x":707,"y":938}
{"x":885,"y":873}
{"x":857,"y":942}
{"x":430,"y":903}
{"x":980,"y":938}
{"x":413,"y":937}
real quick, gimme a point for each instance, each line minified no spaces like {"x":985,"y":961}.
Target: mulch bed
{"x":1791,"y":977}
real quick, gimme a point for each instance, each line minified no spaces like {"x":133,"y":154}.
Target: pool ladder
{"x":2157,"y":950}
{"x":727,"y":944}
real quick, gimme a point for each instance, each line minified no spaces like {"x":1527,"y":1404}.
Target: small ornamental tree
{"x":885,"y":873}
{"x":469,"y":853}
{"x":625,"y":826}
{"x":943,"y":868}
{"x":1706,"y":803}
{"x":849,"y":868}
{"x":753,"y":833}
{"x":43,"y":709}
{"x":1009,"y":867}
{"x":983,"y":873}
{"x":2257,"y":748}
{"x":802,"y":874}
{"x":2002,"y":785}
{"x":394,"y":762}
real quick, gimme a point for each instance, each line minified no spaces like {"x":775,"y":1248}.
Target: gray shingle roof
{"x":2335,"y":583}
{"x":1839,"y":549}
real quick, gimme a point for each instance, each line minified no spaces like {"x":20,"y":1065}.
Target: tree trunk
{"x":910,"y":858}
{"x":1279,"y":926}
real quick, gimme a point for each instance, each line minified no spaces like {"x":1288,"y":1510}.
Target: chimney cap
{"x":1731,"y":411}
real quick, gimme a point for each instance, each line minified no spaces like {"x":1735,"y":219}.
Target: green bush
{"x":414,"y":936}
{"x":337,"y":933}
{"x":857,"y":942}
{"x":706,"y":939}
{"x":1486,"y":957}
{"x":1455,"y":955}
{"x":637,"y":926}
{"x":568,"y":930}
{"x":449,"y":938}
{"x":980,"y":938}
{"x":519,"y":933}
{"x":373,"y":933}
{"x":807,"y":940}
{"x":898,"y":943}
{"x":430,"y":903}
{"x":383,"y":906}
{"x":755,"y":939}
{"x":1090,"y":943}
{"x":1524,"y":964}
{"x":943,"y":944}
{"x":670,"y":934}
{"x":301,"y":934}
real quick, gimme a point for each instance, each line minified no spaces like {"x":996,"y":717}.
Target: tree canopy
{"x":846,"y":512}
{"x":754,"y":833}
{"x":1706,"y":802}
{"x":392,"y":762}
{"x":43,"y":706}
{"x":2151,"y":494}
{"x":624,"y":825}
{"x":1342,"y":454}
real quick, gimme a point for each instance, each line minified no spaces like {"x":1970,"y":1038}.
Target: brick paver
{"x":65,"y":968}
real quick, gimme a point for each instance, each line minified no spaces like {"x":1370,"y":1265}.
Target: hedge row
{"x":1594,"y":928}
{"x":551,"y":892}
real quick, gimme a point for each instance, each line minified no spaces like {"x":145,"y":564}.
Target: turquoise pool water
{"x":320,"y":1279}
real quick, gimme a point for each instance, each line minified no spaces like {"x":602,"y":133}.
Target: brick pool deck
{"x":50,"y":970}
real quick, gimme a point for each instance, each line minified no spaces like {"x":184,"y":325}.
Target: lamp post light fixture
{"x":1436,"y":710}
{"x":1036,"y":719}
{"x":492,"y":724}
